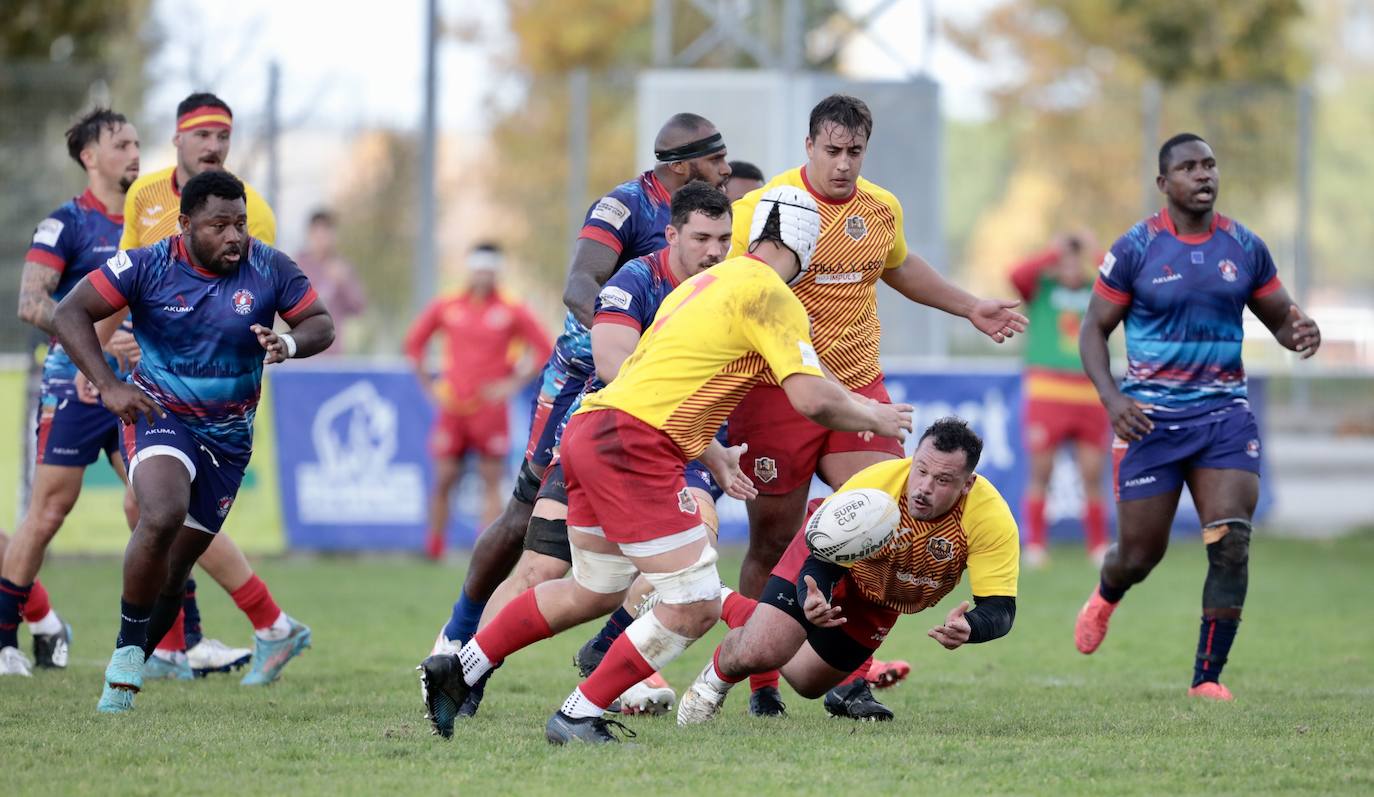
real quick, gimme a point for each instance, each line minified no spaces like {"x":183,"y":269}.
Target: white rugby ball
{"x":852,"y":525}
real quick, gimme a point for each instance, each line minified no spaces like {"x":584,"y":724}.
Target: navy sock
{"x":133,"y":624}
{"x":615,"y":626}
{"x":462,"y":624}
{"x":160,"y":621}
{"x":192,"y":610}
{"x":12,"y":600}
{"x":1213,"y":644}
{"x":1109,"y":593}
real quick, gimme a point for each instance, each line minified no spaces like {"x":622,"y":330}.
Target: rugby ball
{"x":852,"y":525}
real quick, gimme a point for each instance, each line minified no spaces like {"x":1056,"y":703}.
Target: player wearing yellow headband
{"x":204,"y":127}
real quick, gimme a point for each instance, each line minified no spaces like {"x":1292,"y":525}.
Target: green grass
{"x":1026,"y":714}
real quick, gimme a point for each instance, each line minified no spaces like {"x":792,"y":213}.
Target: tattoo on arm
{"x":36,"y":287}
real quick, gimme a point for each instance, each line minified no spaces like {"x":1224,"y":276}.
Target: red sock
{"x":715,"y":663}
{"x":1095,"y":524}
{"x":859,"y":674}
{"x":1035,"y":521}
{"x":38,"y":606}
{"x":255,"y":600}
{"x":759,"y":680}
{"x":622,"y":668}
{"x":175,"y":639}
{"x":520,"y":625}
{"x":737,"y":609}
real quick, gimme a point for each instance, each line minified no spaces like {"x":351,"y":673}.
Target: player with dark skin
{"x":162,"y":550}
{"x":499,"y":546}
{"x":1189,"y":180}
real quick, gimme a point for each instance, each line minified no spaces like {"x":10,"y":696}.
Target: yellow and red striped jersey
{"x":926,"y":558}
{"x":714,"y":337}
{"x":860,"y":238}
{"x":153,"y":204}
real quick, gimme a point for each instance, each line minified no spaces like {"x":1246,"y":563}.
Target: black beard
{"x":125,"y":183}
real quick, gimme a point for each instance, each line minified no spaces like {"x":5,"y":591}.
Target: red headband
{"x":204,"y":116}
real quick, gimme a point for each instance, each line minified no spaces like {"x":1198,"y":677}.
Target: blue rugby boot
{"x":123,"y":680}
{"x":269,"y":657}
{"x":160,"y":668}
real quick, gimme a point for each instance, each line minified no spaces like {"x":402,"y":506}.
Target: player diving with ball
{"x":818,"y":620}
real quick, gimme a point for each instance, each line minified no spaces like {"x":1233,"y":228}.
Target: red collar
{"x":656,"y":188}
{"x":179,"y":252}
{"x":1167,"y":222}
{"x":660,"y":263}
{"x":822,"y":197}
{"x":89,"y":201}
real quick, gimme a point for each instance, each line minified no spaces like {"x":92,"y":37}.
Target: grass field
{"x":1026,"y":714}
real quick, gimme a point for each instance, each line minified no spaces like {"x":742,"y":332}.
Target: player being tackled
{"x":818,"y":621}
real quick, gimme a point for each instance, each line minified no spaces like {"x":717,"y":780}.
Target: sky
{"x":345,"y":63}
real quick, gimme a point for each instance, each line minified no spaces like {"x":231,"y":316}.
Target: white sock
{"x":475,"y":662}
{"x":578,"y":706}
{"x":49,"y":625}
{"x":279,"y":629}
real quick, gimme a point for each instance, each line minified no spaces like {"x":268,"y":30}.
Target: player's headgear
{"x":788,"y":215}
{"x":485,"y":257}
{"x":203,"y":110}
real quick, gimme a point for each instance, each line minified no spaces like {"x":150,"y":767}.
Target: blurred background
{"x":426,"y":126}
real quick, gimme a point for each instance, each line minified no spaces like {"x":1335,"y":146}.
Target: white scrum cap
{"x":799,"y":221}
{"x":483,"y":259}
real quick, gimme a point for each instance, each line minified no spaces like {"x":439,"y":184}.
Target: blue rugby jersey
{"x":1186,"y":295}
{"x":201,"y":360}
{"x":73,"y":240}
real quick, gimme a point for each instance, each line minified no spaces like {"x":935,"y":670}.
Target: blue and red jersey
{"x":201,"y":360}
{"x":1186,"y":295}
{"x":630,"y":220}
{"x":73,"y":240}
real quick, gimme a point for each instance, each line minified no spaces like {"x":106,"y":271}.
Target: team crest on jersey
{"x":243,"y":301}
{"x":1228,"y":270}
{"x":765,"y":469}
{"x":686,"y":502}
{"x":855,"y":227}
{"x":225,"y":504}
{"x":940,"y":549}
{"x":1252,"y":448}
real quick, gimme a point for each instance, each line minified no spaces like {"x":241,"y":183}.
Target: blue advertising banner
{"x":355,"y":472}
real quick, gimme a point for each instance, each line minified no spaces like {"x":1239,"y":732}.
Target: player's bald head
{"x":682,"y":128}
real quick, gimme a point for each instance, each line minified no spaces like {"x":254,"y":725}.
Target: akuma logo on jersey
{"x":1228,"y":270}
{"x":243,"y":301}
{"x":182,"y":306}
{"x":855,"y":227}
{"x":1169,"y":276}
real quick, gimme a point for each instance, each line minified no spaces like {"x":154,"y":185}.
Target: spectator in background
{"x":333,"y":277}
{"x":494,"y":346}
{"x":744,"y":177}
{"x":1061,"y":405}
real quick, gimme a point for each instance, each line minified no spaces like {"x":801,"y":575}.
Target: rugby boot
{"x":123,"y":680}
{"x":163,"y":668}
{"x":766,"y":701}
{"x":270,"y":656}
{"x":212,"y":655}
{"x":702,"y":700}
{"x":652,"y":696}
{"x":14,"y":662}
{"x":50,"y":651}
{"x":887,"y":674}
{"x":1212,"y":690}
{"x":562,"y":729}
{"x":1091,"y":627}
{"x":443,"y":690}
{"x":856,"y":701}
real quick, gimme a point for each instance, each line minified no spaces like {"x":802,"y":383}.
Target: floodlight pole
{"x":425,"y":266}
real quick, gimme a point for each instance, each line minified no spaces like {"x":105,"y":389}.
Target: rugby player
{"x":202,"y":304}
{"x":744,"y":177}
{"x":624,"y":454}
{"x":818,"y":621}
{"x":1181,"y":280}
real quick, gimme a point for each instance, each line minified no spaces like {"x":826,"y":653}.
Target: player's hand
{"x":892,"y":420}
{"x":498,"y":390}
{"x":270,"y":343}
{"x":1306,"y":337}
{"x":86,"y":392}
{"x":128,"y":402}
{"x":956,"y":629}
{"x":124,"y":349}
{"x":1129,"y":420}
{"x":996,"y":319}
{"x":730,"y":476}
{"x":817,"y":609}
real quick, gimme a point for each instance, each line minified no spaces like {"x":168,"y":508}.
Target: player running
{"x":72,"y":241}
{"x":204,"y":133}
{"x":493,"y":346}
{"x":625,"y":224}
{"x":861,"y":241}
{"x":1181,"y":279}
{"x":698,"y":237}
{"x":202,"y":303}
{"x":624,"y":453}
{"x":819,"y":621}
{"x":1060,"y":404}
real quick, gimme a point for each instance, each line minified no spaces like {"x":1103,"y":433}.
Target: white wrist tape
{"x":290,"y":344}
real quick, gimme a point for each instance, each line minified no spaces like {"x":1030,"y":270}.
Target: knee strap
{"x":1228,"y":563}
{"x":696,"y":582}
{"x":607,"y":574}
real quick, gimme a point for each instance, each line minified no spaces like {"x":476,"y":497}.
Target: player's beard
{"x":207,"y":256}
{"x":125,"y":182}
{"x":694,"y":172}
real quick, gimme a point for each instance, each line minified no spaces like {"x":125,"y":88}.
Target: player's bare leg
{"x":765,"y":643}
{"x":447,"y":473}
{"x":1142,"y":538}
{"x":54,"y":492}
{"x":1225,"y":500}
{"x":496,"y":552}
{"x":492,"y":471}
{"x":1092,"y":458}
{"x":1037,"y":554}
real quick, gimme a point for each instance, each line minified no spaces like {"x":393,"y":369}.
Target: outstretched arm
{"x":918,"y":281}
